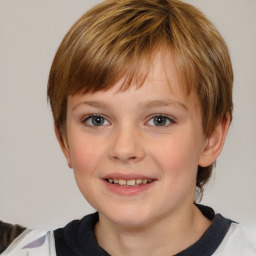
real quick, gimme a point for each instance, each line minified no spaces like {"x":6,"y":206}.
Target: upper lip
{"x":127,"y":176}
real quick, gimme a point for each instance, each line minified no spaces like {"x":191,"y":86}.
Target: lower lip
{"x":126,"y":190}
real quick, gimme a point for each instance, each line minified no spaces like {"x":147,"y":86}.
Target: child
{"x":141,"y":95}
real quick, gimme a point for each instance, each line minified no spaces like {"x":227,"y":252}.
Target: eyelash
{"x":86,"y":118}
{"x":167,"y":118}
{"x":89,"y":117}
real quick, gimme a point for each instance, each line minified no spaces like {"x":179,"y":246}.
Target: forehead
{"x":163,"y":83}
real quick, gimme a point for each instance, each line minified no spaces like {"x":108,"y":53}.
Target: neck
{"x":168,"y":235}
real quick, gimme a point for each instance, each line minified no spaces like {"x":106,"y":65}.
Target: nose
{"x":127,"y":145}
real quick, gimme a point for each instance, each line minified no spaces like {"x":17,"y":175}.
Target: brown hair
{"x":114,"y":38}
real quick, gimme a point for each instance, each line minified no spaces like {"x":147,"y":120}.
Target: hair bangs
{"x":98,"y":61}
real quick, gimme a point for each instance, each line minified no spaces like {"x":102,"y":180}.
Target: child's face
{"x":153,"y":134}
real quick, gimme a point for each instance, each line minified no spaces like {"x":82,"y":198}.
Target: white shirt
{"x":239,"y":241}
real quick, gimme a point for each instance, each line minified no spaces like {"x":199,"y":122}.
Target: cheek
{"x":178,"y":162}
{"x":85,"y":154}
{"x":178,"y":156}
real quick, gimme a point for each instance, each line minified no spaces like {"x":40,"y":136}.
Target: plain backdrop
{"x":37,"y":189}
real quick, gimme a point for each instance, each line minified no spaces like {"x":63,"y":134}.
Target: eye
{"x":95,"y":120}
{"x":160,"y":120}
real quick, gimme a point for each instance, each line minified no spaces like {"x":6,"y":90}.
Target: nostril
{"x":132,"y":157}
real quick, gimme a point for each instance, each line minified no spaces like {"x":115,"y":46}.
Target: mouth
{"x":129,"y":182}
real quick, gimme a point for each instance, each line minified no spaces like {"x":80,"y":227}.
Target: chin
{"x":128,"y":217}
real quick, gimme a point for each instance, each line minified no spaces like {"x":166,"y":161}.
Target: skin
{"x":161,"y":220}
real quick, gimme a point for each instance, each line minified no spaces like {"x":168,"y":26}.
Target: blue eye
{"x":160,"y":120}
{"x":96,"y":120}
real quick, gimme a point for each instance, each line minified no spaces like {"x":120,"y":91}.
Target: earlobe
{"x":215,"y":142}
{"x":64,"y":146}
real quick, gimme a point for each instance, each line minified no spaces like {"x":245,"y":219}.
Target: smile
{"x":129,"y":183}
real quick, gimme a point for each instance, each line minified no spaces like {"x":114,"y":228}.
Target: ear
{"x":64,"y":146}
{"x":215,"y":142}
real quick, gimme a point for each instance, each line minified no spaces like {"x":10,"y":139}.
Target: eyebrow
{"x":96,"y":104}
{"x":165,"y":103}
{"x":147,"y":104}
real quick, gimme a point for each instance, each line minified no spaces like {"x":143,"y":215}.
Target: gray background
{"x":37,"y":189}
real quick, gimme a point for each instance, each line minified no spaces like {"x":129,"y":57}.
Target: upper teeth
{"x":134,"y":182}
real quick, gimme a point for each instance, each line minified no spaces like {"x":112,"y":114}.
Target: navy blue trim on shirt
{"x":78,"y":239}
{"x":213,"y":236}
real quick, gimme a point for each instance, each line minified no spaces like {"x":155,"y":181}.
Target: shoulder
{"x":225,"y":237}
{"x":239,"y":241}
{"x":32,"y":243}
